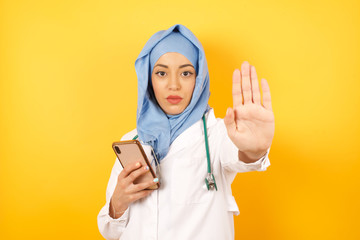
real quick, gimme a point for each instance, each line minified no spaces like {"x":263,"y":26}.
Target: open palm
{"x":250,"y":124}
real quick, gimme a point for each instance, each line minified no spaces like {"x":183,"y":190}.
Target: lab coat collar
{"x":191,"y":134}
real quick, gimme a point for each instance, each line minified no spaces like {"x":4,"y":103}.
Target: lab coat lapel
{"x":192,"y":134}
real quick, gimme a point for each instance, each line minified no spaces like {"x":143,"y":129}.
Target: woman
{"x":173,"y":111}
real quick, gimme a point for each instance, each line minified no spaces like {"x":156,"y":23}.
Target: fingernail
{"x":146,"y":167}
{"x":137,"y":164}
{"x":156,"y":180}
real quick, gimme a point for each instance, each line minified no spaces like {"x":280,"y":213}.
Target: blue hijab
{"x":155,"y":127}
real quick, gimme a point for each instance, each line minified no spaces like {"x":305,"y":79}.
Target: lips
{"x":173,"y":99}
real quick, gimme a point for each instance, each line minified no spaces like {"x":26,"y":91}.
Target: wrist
{"x":116,"y":210}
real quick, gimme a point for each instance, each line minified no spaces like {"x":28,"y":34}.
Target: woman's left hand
{"x":250,"y":124}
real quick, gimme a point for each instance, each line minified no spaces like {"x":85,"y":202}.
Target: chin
{"x":174,"y":111}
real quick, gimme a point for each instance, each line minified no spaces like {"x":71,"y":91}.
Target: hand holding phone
{"x":135,"y":181}
{"x":126,"y":191}
{"x":132,"y":151}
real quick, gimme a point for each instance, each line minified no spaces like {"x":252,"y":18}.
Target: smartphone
{"x":131,"y":151}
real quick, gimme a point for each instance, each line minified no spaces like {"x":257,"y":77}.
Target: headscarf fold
{"x":154,"y":127}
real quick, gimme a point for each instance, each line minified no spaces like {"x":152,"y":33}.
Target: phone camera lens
{"x":117,"y":149}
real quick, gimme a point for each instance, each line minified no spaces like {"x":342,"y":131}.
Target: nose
{"x":174,"y":83}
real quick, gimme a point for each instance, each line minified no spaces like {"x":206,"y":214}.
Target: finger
{"x":266,"y":94}
{"x":229,"y":121}
{"x":135,"y":174}
{"x":254,"y":86}
{"x":142,"y":186}
{"x":136,"y":196}
{"x":245,"y":82}
{"x":236,"y":89}
{"x":128,"y":169}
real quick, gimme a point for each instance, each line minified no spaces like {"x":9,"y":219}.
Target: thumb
{"x":229,"y":120}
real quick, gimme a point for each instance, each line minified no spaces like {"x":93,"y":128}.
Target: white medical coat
{"x":182,"y":208}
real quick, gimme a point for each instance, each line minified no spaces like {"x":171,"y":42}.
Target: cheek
{"x":156,"y":87}
{"x":190,"y":88}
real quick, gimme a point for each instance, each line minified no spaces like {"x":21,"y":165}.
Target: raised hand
{"x":250,"y":124}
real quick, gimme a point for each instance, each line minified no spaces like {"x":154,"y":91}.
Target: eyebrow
{"x":181,"y":66}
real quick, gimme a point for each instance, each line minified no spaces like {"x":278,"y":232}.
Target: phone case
{"x":131,"y":151}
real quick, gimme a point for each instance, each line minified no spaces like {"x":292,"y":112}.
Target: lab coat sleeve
{"x":229,"y":154}
{"x":111,"y":228}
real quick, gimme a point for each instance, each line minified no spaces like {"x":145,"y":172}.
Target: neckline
{"x":187,"y":136}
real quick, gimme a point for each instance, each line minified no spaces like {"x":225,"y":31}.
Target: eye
{"x":187,"y":74}
{"x":160,"y":73}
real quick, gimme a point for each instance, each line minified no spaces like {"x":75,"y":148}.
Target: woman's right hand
{"x":126,"y":191}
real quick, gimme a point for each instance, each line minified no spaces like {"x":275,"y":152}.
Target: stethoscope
{"x":209,"y":179}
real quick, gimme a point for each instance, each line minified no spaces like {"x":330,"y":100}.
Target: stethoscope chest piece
{"x":210,"y":182}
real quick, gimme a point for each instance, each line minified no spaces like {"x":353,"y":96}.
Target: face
{"x":173,"y":81}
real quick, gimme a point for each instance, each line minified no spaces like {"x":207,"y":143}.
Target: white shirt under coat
{"x":182,"y":208}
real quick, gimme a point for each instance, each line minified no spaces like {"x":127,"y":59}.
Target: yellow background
{"x":68,"y":89}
